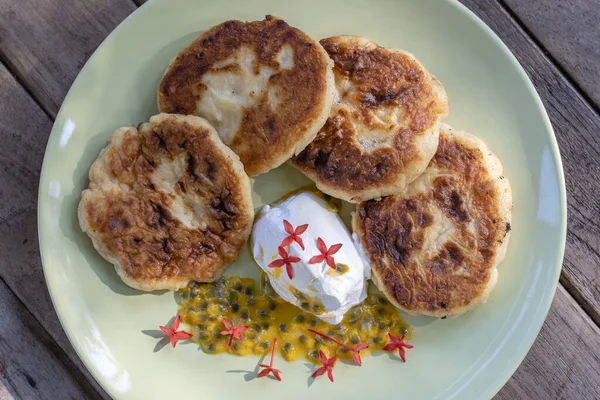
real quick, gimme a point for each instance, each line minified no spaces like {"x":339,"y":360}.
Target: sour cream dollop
{"x":316,"y":288}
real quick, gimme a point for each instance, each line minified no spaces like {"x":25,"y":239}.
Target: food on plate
{"x":434,"y":250}
{"x":265,"y":86}
{"x":167,"y":203}
{"x":261,"y":315}
{"x":384,"y":125}
{"x":308,"y":253}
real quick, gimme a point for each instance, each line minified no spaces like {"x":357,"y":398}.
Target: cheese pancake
{"x":384,"y":126}
{"x":167,"y":203}
{"x":265,"y":86}
{"x":435,"y":249}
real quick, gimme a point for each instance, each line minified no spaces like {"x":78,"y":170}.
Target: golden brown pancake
{"x":266,"y":87}
{"x":434,"y":250}
{"x":384,"y":125}
{"x":167,"y":203}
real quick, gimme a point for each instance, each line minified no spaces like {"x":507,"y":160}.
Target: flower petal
{"x":282,"y":252}
{"x":334,"y":249}
{"x":321,"y":246}
{"x":293,"y":259}
{"x":277,"y":374}
{"x":264,"y":372}
{"x":393,"y":338}
{"x":287,"y":241}
{"x":242,"y":328}
{"x":357,"y":359}
{"x":390,"y":347}
{"x":319,"y":372}
{"x":175,"y":323}
{"x":330,"y":374}
{"x":173,"y":340}
{"x":226,"y":323}
{"x":182,"y":335}
{"x":301,"y":229}
{"x":402,"y":353}
{"x":290,"y":270}
{"x":322,"y":357}
{"x":331,"y":262}
{"x":288,"y":227}
{"x":316,"y":259}
{"x":166,"y":330}
{"x":277,"y":263}
{"x":299,"y":241}
{"x":361,"y":346}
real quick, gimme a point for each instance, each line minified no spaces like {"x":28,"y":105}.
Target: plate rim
{"x":545,"y":302}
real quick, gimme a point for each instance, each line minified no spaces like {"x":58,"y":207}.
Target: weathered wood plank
{"x":564,"y":362}
{"x":576,"y":125}
{"x":568,"y":30}
{"x":46,"y":42}
{"x":24,"y":128}
{"x":31,"y":364}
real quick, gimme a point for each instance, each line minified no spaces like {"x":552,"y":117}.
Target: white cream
{"x":318,"y":282}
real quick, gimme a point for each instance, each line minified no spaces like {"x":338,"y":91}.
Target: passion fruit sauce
{"x":203,"y":306}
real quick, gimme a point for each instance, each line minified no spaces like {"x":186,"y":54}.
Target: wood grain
{"x":576,"y":126}
{"x":568,"y":30}
{"x":46,"y":53}
{"x":46,"y":42}
{"x":564,"y":362}
{"x":24,"y":128}
{"x":32,"y":366}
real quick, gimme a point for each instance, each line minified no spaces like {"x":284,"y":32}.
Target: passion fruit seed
{"x":288,"y":347}
{"x":242,"y":304}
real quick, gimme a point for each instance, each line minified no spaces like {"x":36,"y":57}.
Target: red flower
{"x":326,"y":254}
{"x":355,"y":350}
{"x":286,"y":260}
{"x":327,"y":363}
{"x":398,"y":344}
{"x":174,"y":334}
{"x":269,"y":368}
{"x":233,"y":332}
{"x":294,"y":234}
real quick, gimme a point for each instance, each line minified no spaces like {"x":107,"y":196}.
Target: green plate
{"x":112,"y":326}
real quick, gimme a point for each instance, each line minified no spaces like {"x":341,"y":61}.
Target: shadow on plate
{"x":250,"y":375}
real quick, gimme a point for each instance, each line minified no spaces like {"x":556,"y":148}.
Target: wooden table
{"x":43,"y":45}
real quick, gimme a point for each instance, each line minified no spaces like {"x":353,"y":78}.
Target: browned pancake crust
{"x":137,"y":226}
{"x":301,"y":90}
{"x":392,"y":233}
{"x":384,"y":80}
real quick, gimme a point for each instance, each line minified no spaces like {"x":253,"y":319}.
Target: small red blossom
{"x":233,"y":332}
{"x":327,"y":363}
{"x":174,"y":334}
{"x":398,"y":344}
{"x":355,"y":350}
{"x":326,"y":254}
{"x":293,"y":234}
{"x":269,"y":368}
{"x":286,"y":260}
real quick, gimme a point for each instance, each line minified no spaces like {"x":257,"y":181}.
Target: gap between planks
{"x":551,"y":58}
